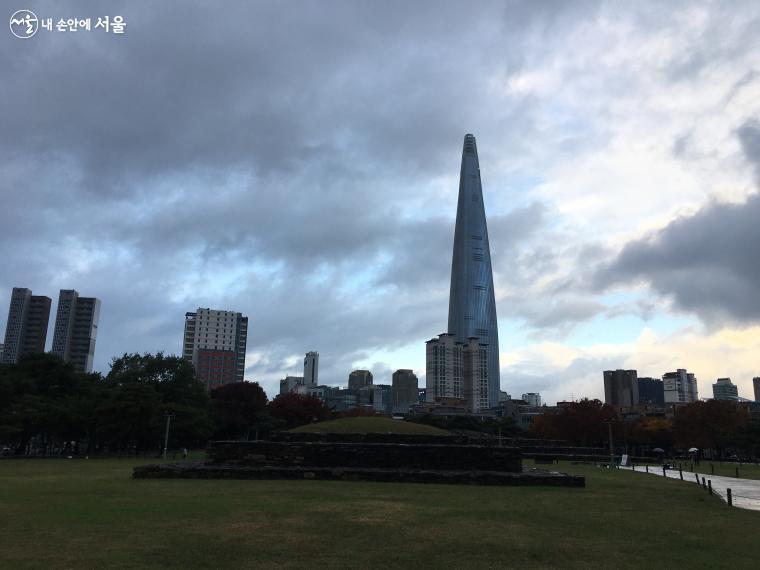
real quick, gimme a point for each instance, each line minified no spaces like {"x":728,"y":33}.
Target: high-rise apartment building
{"x":76,"y":329}
{"x":311,"y":368}
{"x":359,"y":379}
{"x":756,"y":387}
{"x":724,"y":389}
{"x":404,"y":390}
{"x":472,"y":305}
{"x":26,"y":329}
{"x":475,"y":374}
{"x":215,"y":342}
{"x":621,"y":388}
{"x":443,"y":372}
{"x":680,"y":387}
{"x":651,"y":391}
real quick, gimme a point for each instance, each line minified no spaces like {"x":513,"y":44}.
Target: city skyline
{"x":312,"y":186}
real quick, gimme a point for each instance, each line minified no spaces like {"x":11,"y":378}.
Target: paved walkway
{"x":745,"y":492}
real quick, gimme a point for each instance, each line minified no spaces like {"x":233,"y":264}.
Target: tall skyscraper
{"x":76,"y":329}
{"x":621,"y":388}
{"x":756,"y":387}
{"x":472,"y":305}
{"x":215,"y":342}
{"x":311,"y":368}
{"x":724,"y":389}
{"x":26,"y":329}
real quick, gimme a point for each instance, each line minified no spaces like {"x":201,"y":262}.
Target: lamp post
{"x":168,"y":417}
{"x":612,"y":448}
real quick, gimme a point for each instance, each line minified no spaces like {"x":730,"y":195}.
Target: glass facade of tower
{"x":472,"y":305}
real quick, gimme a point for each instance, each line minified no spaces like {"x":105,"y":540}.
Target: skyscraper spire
{"x":472,"y":306}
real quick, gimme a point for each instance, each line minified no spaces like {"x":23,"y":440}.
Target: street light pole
{"x":168,"y":417}
{"x":612,"y":448}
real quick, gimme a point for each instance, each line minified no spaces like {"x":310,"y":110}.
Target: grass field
{"x":90,"y":514}
{"x":369,"y":424}
{"x":746,"y":470}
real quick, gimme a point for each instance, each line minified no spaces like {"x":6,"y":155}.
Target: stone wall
{"x":365,"y":455}
{"x":213,"y":471}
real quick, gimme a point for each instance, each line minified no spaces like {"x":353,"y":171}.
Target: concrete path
{"x":745,"y":493}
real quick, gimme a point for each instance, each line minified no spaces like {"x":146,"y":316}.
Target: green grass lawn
{"x":90,"y":514}
{"x":746,"y":470}
{"x":369,"y":424}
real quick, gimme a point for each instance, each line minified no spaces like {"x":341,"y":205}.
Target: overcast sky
{"x":298,"y":162}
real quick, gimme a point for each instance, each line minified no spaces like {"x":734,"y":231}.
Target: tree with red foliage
{"x":239,"y":409}
{"x":297,"y":409}
{"x":582,"y":423}
{"x":714,"y":424}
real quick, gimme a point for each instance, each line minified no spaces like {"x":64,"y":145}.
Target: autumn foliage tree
{"x":713,"y":424}
{"x":582,"y":423}
{"x":652,"y":432}
{"x":293,"y":410}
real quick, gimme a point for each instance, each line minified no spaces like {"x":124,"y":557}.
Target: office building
{"x":472,"y":306}
{"x":724,"y":389}
{"x":76,"y":329}
{"x":359,"y":379}
{"x":311,"y":368}
{"x":381,"y":398}
{"x":215,"y":342}
{"x":621,"y":388}
{"x":532,"y":399}
{"x":443,"y":368}
{"x":651,"y":391}
{"x":291,"y":384}
{"x":680,"y":387}
{"x":404,"y":390}
{"x":26,"y":329}
{"x":475,"y":374}
{"x":756,"y":387}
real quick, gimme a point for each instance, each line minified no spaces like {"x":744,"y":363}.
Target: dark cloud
{"x":706,"y":262}
{"x":297,"y":164}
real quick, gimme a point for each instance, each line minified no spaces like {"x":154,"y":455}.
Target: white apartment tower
{"x":680,"y":387}
{"x":215,"y":343}
{"x":475,"y":374}
{"x":443,"y":368}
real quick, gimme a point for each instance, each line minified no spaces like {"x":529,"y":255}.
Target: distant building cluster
{"x":632,"y":396}
{"x":74,"y":334}
{"x":360,"y":392}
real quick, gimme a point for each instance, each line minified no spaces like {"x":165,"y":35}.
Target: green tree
{"x":239,"y":410}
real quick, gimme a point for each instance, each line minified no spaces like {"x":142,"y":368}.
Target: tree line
{"x":46,"y":407}
{"x":719,"y":427}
